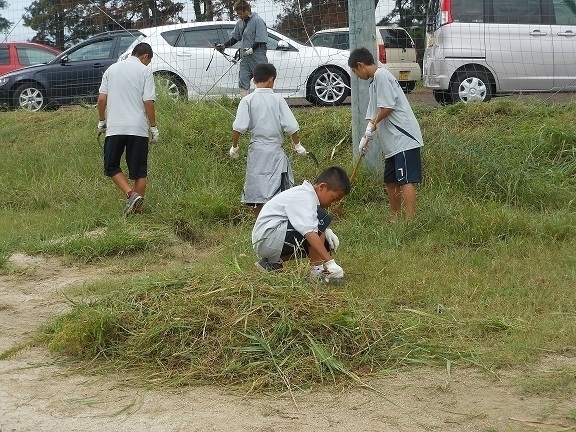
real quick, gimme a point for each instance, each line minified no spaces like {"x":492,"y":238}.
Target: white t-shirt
{"x":299,"y":205}
{"x":127,"y":84}
{"x":400,"y":130}
{"x":266,"y":115}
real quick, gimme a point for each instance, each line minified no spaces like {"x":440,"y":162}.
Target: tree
{"x":4,"y":23}
{"x":62,"y":23}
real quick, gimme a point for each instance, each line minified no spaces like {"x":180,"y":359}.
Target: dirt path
{"x":38,"y":394}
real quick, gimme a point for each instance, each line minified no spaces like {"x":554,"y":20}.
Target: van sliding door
{"x":519,"y":45}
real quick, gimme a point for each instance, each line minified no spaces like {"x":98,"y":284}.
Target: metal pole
{"x":362,"y":24}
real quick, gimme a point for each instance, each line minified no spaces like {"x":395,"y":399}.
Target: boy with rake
{"x":267,"y":116}
{"x":293,"y":223}
{"x":398,"y":134}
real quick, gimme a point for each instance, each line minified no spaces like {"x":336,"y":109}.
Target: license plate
{"x":404,"y":75}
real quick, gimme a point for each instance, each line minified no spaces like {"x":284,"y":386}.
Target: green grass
{"x":483,"y":277}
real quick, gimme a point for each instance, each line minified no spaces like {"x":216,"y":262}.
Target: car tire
{"x":29,"y":96}
{"x":442,"y":97}
{"x":171,"y":84}
{"x":471,"y":86}
{"x":328,"y":86}
{"x":407,"y":86}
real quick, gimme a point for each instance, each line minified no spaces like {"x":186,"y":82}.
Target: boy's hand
{"x":234,"y":152}
{"x":102,"y":126}
{"x":300,"y":149}
{"x":219,"y":47}
{"x":333,"y":269}
{"x":247,"y":51}
{"x":363,"y":146}
{"x":332,"y":239}
{"x":370,"y":128}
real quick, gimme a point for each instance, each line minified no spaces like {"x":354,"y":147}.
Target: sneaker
{"x":133,"y":203}
{"x":266,"y":266}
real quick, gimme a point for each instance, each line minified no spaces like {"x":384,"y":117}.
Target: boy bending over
{"x":294,"y":224}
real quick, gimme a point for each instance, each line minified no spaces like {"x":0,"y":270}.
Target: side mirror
{"x":283,"y":45}
{"x":64,"y":60}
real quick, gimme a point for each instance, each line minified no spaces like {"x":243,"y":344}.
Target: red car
{"x":16,"y":55}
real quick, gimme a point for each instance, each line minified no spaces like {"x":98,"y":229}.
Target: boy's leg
{"x":395,"y":201}
{"x":409,"y":197}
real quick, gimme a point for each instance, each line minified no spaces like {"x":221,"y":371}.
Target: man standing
{"x":251,"y":30}
{"x":126,"y":99}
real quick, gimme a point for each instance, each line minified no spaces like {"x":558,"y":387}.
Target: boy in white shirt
{"x":293,"y":224}
{"x":267,"y":116}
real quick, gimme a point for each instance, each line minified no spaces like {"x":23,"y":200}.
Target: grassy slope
{"x":485,"y":275}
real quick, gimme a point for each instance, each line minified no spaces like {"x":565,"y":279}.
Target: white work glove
{"x":333,"y":269}
{"x":370,"y":128}
{"x":363,"y":146}
{"x":332,"y":239}
{"x":247,"y":51}
{"x":219,"y":47}
{"x":300,"y":150}
{"x":234,"y":152}
{"x":155,"y":134}
{"x":102,"y":126}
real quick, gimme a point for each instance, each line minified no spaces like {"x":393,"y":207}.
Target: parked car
{"x":479,"y":49}
{"x":184,"y":55}
{"x":73,"y":75}
{"x":16,"y":55}
{"x":395,"y":48}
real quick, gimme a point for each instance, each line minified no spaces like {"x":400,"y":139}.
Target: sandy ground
{"x":38,"y":393}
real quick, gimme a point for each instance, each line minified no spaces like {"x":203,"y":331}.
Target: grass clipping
{"x":273,"y":332}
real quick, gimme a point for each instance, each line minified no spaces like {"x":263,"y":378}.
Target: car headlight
{"x":4,"y":81}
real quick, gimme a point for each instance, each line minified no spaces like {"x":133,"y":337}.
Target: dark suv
{"x":72,"y":76}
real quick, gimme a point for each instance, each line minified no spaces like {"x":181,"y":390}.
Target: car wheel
{"x":328,"y":86}
{"x":30,"y":97}
{"x":407,"y":86}
{"x":442,"y":97}
{"x":471,"y":86}
{"x":172,"y":85}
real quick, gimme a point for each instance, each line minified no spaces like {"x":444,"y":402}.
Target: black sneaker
{"x":266,"y":266}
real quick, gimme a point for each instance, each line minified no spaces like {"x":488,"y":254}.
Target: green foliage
{"x":483,"y":276}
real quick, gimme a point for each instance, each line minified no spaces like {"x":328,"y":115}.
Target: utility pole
{"x":362,"y":24}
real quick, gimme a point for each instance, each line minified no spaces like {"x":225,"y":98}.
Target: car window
{"x":341,"y":41}
{"x":31,"y":55}
{"x":4,"y":55}
{"x":198,"y":38}
{"x":323,"y":39}
{"x":565,"y":12}
{"x":171,"y":36}
{"x":95,"y":51}
{"x":466,"y":11}
{"x":515,"y":12}
{"x":125,"y":42}
{"x":396,"y":38}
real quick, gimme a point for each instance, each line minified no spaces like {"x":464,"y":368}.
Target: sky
{"x":265,"y":8}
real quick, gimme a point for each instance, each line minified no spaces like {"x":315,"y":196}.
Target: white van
{"x":395,"y":48}
{"x":478,"y":49}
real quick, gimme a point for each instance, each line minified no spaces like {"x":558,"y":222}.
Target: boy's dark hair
{"x":242,"y":5}
{"x":263,"y":72}
{"x":335,"y":178}
{"x":360,"y":55}
{"x":141,"y":49}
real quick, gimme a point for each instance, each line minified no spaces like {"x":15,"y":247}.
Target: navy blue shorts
{"x":294,"y":242}
{"x":404,"y":167}
{"x":136,"y":148}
